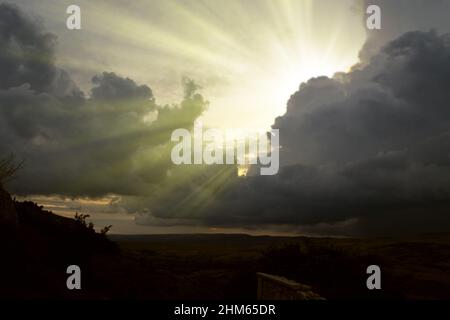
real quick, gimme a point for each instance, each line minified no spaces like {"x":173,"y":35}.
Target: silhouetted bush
{"x":82,"y":220}
{"x":333,"y":272}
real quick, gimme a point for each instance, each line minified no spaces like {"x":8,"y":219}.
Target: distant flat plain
{"x":221,"y":266}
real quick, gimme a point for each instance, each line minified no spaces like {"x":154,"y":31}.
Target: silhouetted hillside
{"x":8,"y":214}
{"x":37,"y":247}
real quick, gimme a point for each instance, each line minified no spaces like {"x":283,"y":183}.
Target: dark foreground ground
{"x":224,"y":266}
{"x":36,"y":247}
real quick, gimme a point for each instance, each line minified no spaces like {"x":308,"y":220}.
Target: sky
{"x":362,"y":114}
{"x":249,"y":56}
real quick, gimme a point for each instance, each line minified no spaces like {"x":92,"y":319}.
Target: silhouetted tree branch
{"x":8,"y":168}
{"x":105,"y":229}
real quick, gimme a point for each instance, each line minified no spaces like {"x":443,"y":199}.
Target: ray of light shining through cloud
{"x":249,"y":56}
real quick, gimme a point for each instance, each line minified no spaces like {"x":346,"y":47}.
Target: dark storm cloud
{"x":400,"y":16}
{"x":116,"y":141}
{"x":396,"y":101}
{"x":112,"y":87}
{"x":27,"y":55}
{"x":364,"y":151}
{"x":367,"y":151}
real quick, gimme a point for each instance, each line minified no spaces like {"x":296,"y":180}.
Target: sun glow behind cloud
{"x":249,"y":56}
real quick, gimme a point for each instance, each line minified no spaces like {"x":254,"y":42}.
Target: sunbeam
{"x":248,"y":58}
